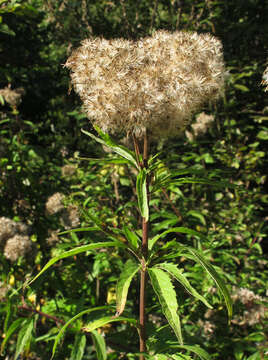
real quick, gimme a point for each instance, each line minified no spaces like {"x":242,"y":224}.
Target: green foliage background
{"x":43,"y":134}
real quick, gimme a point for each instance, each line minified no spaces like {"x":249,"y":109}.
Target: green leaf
{"x":13,"y":327}
{"x":142,"y":194}
{"x":263,"y":135}
{"x":173,"y":270}
{"x":129,"y":270}
{"x":198,"y":215}
{"x":106,"y":320}
{"x":182,"y":230}
{"x":132,"y":238}
{"x":99,"y":344}
{"x":82,"y":229}
{"x":64,"y":327}
{"x":181,"y":357}
{"x":216,"y":183}
{"x":76,"y":251}
{"x":6,"y":30}
{"x":119,"y":149}
{"x":241,"y":87}
{"x":79,"y":347}
{"x":163,"y":287}
{"x":212,"y":272}
{"x":24,"y":337}
{"x":196,"y":350}
{"x":8,"y":314}
{"x":2,"y":102}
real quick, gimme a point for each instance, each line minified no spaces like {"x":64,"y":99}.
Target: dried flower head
{"x":156,"y":83}
{"x":17,"y":246}
{"x":53,"y":237}
{"x":12,"y":97}
{"x":200,"y":126}
{"x":68,"y":170}
{"x":265,"y":79}
{"x":70,"y":217}
{"x":245,"y":296}
{"x":54,"y":203}
{"x":255,"y":311}
{"x":8,"y":228}
{"x":3,"y":290}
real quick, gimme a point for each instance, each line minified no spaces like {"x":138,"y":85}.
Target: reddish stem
{"x":143,"y":273}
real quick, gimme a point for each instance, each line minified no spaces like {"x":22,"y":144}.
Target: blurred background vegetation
{"x":40,"y":138}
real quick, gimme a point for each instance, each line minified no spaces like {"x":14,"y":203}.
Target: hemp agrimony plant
{"x":147,"y":89}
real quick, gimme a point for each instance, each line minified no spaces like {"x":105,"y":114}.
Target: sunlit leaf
{"x":13,"y":327}
{"x":70,"y":321}
{"x":203,"y":355}
{"x":177,"y":273}
{"x":78,"y":347}
{"x":119,"y":149}
{"x":106,"y":320}
{"x":99,"y":344}
{"x":24,"y":337}
{"x":212,"y":272}
{"x":183,"y":230}
{"x":129,"y":270}
{"x":132,"y":238}
{"x":75,"y":251}
{"x":164,"y":289}
{"x":142,"y":194}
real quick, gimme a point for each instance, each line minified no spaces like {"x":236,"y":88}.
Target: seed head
{"x":17,"y":246}
{"x":9,"y":227}
{"x":12,"y":97}
{"x":54,"y":203}
{"x":156,"y":83}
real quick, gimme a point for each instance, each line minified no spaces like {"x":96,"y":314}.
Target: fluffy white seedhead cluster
{"x":245,"y":296}
{"x":12,"y":97}
{"x":17,"y":246}
{"x":54,"y":203}
{"x":255,"y":311}
{"x":9,"y":228}
{"x":68,"y":170}
{"x":156,"y":83}
{"x":70,"y":217}
{"x":265,"y":79}
{"x":14,"y":239}
{"x":200,"y":127}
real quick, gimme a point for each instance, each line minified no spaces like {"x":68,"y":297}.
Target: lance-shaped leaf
{"x":129,"y":270}
{"x":13,"y":327}
{"x":201,"y":353}
{"x":177,"y":273}
{"x":164,"y":289}
{"x":213,"y":273}
{"x":24,"y":337}
{"x":78,"y":347}
{"x":181,"y":357}
{"x":106,"y":320}
{"x":99,"y":344}
{"x":75,"y":251}
{"x":215,"y":183}
{"x":142,"y":194}
{"x":70,"y":321}
{"x":132,"y":238}
{"x":119,"y":149}
{"x":183,"y":230}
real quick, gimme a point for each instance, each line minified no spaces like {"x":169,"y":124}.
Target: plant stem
{"x":143,"y":273}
